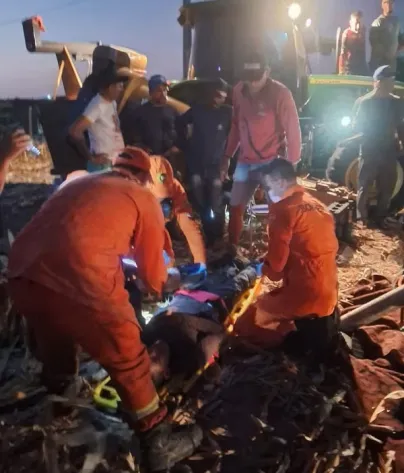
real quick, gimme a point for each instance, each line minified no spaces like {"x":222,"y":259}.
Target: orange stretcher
{"x":105,"y":395}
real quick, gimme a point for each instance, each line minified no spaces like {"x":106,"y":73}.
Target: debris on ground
{"x":264,"y":412}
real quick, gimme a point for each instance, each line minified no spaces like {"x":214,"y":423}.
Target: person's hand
{"x":101,"y":158}
{"x":172,"y":151}
{"x":14,"y":145}
{"x":224,"y":170}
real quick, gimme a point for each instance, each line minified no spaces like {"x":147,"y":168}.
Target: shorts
{"x":246,"y":179}
{"x":91,"y":167}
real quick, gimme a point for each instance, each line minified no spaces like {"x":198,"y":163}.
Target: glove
{"x":192,"y":273}
{"x":167,"y":258}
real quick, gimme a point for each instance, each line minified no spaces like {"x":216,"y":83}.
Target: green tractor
{"x":222,"y":30}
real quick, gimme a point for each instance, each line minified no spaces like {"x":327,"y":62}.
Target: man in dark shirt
{"x":203,"y":132}
{"x":352,"y":59}
{"x":154,"y":121}
{"x":378,"y":117}
{"x":386,"y":37}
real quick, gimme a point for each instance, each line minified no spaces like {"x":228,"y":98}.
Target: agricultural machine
{"x":217,"y":34}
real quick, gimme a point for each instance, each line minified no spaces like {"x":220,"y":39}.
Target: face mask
{"x":274,"y":198}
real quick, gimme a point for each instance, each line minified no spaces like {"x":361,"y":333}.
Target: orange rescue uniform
{"x":164,"y":185}
{"x":302,"y":251}
{"x":66,"y":278}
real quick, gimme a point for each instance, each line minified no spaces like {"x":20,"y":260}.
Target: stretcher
{"x":105,"y":396}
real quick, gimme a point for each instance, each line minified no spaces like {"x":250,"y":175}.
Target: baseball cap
{"x":253,"y":66}
{"x":133,"y":157}
{"x":157,"y":80}
{"x":384,"y":72}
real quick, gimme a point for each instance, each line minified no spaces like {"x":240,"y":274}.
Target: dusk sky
{"x":148,"y":26}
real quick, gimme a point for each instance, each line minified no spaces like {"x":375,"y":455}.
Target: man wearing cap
{"x":100,"y":119}
{"x":386,"y":37}
{"x":378,"y":116}
{"x":203,"y":132}
{"x":72,"y":293}
{"x":154,"y":121}
{"x":174,"y":201}
{"x":265,"y":126}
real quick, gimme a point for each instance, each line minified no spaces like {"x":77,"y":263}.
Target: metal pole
{"x":186,"y":44}
{"x":373,"y":310}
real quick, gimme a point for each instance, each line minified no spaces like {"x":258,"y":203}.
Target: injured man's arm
{"x":185,"y":335}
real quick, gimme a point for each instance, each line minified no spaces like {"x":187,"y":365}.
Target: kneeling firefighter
{"x":302,"y":252}
{"x":175,"y":205}
{"x":66,"y":278}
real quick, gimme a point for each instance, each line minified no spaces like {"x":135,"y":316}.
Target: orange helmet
{"x":132,"y":157}
{"x":162,"y":175}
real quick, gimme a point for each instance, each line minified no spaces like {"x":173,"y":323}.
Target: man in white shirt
{"x":100,"y":119}
{"x":385,"y":37}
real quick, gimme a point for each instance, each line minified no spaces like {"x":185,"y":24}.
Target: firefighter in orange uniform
{"x":66,"y":278}
{"x":174,"y":201}
{"x":302,"y":252}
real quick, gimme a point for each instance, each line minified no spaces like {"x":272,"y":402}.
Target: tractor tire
{"x":351,"y":181}
{"x":397,"y":202}
{"x":340,"y":162}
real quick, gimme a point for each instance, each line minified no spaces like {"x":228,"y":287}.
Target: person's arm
{"x":76,"y":132}
{"x":375,"y":35}
{"x":170,"y":133}
{"x":11,"y":146}
{"x":183,"y":121}
{"x":289,"y":121}
{"x":189,"y":227}
{"x":233,"y":140}
{"x":149,"y":242}
{"x":344,"y":53}
{"x":280,"y":231}
{"x":357,"y":117}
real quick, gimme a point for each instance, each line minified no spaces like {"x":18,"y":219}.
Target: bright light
{"x":346,"y":121}
{"x":308,"y":23}
{"x":212,"y":215}
{"x":49,"y":97}
{"x":129,"y":262}
{"x":294,"y":11}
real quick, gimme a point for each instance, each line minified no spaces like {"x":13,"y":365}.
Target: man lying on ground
{"x":183,"y":336}
{"x":302,"y":251}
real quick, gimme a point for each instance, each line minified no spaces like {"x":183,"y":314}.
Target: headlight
{"x":294,"y":11}
{"x":346,"y":121}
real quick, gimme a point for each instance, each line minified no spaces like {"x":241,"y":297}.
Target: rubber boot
{"x":167,"y":444}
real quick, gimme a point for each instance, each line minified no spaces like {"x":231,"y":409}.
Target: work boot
{"x":167,"y":444}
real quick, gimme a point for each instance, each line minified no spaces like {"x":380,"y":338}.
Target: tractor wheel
{"x":351,"y":180}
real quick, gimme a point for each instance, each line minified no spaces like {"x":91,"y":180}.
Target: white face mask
{"x":274,"y":198}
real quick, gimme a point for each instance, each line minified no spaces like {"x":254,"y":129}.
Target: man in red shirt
{"x":265,"y":126}
{"x":352,"y":60}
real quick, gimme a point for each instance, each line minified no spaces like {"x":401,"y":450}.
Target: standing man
{"x":100,"y":119}
{"x":352,"y":60}
{"x":66,"y":278}
{"x":265,"y":126}
{"x":203,"y":131}
{"x":378,"y":117}
{"x":385,"y":37}
{"x":154,"y":121}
